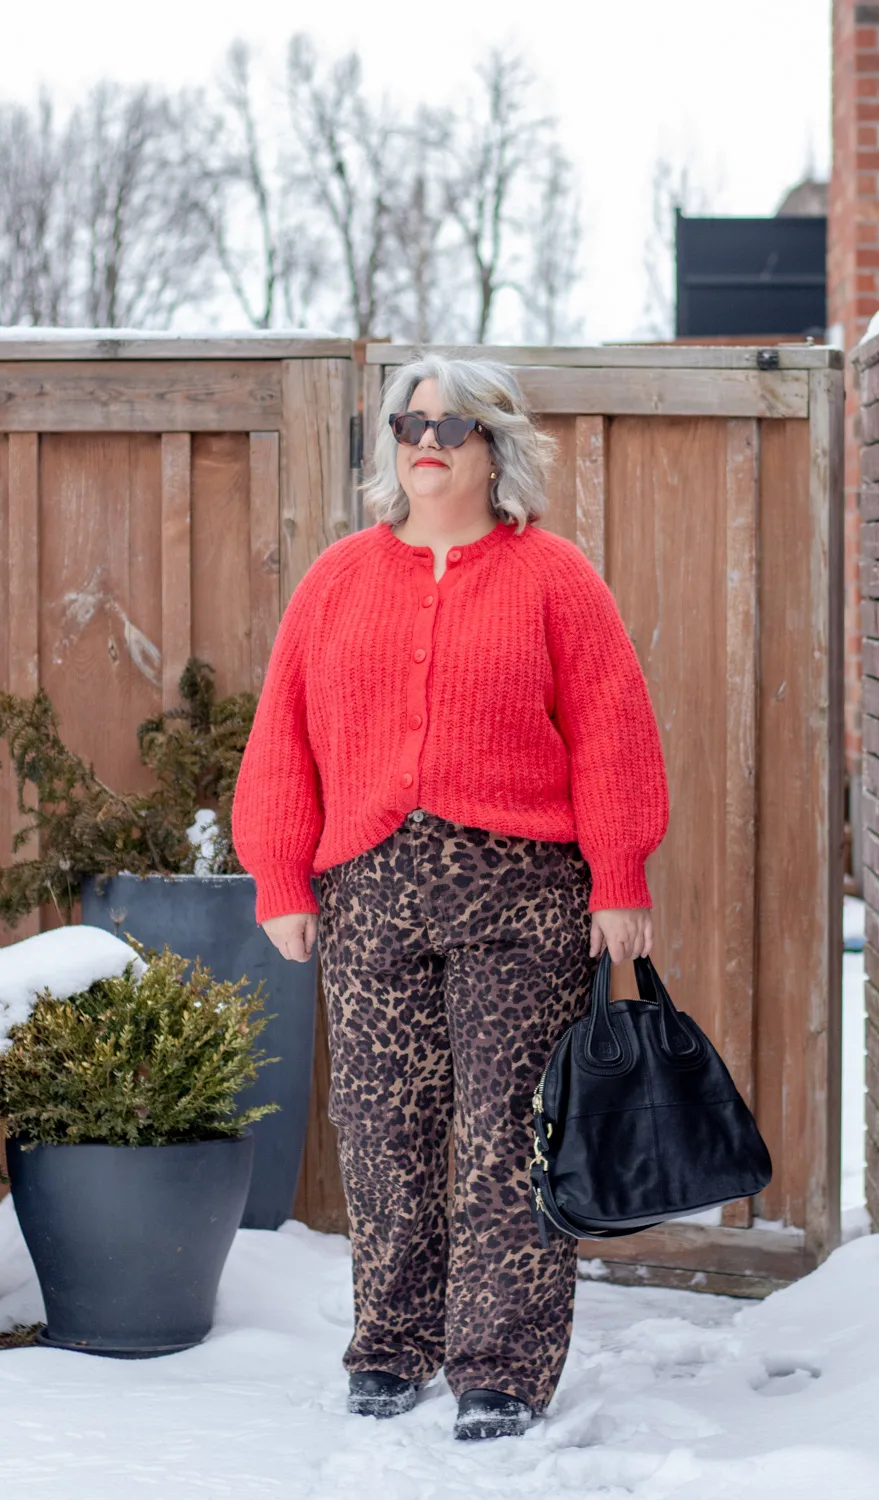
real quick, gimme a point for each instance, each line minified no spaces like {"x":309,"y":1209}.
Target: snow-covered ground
{"x":665,"y":1394}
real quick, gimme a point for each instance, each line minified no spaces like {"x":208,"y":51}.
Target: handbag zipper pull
{"x":541,"y":1219}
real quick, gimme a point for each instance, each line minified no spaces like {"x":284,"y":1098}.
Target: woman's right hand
{"x":293,"y":935}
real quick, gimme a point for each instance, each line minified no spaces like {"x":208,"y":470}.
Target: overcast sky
{"x":744,"y":88}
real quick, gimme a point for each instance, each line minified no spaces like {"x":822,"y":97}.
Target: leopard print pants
{"x":452,"y":959}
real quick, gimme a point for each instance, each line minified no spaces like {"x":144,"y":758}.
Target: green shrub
{"x":86,"y":828}
{"x":135,"y":1062}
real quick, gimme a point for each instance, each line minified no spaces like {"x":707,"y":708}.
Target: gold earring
{"x":492,"y":475}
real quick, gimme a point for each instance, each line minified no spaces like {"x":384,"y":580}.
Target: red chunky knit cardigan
{"x":506,"y":696}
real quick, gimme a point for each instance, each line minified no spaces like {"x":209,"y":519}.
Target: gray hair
{"x":478,"y":388}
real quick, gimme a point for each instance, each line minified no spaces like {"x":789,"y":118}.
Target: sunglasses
{"x":450,"y":432}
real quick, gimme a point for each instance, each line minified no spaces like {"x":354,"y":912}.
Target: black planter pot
{"x":129,"y":1242}
{"x":211,"y":917}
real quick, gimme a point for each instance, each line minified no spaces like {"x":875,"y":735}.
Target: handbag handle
{"x":603,"y":1047}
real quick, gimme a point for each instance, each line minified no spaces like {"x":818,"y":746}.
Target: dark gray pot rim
{"x":205,"y":1140}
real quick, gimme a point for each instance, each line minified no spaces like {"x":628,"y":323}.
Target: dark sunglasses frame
{"x":470,"y":424}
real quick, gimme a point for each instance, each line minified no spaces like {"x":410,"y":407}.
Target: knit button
{"x":427,"y":601}
{"x":419,"y":655}
{"x":415,"y":722}
{"x":454,"y":555}
{"x":406,"y":778}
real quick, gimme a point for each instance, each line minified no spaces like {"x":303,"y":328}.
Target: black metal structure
{"x":751,"y":276}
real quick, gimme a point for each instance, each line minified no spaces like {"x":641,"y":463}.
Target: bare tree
{"x":428,"y":296}
{"x":95,"y":222}
{"x":495,"y":149}
{"x":142,"y":249}
{"x":37,"y":218}
{"x":350,"y":158}
{"x":270,"y":254}
{"x":675,"y":185}
{"x":555,"y":240}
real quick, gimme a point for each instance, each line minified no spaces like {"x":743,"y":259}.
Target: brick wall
{"x":853,"y":297}
{"x":868,"y":367}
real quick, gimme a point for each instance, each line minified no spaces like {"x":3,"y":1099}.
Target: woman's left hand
{"x":627,"y":933}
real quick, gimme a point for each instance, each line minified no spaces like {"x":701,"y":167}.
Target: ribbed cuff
{"x":282,"y":890}
{"x":618,"y":880}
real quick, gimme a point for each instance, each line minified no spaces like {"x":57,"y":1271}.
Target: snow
{"x":204,"y":835}
{"x":872,"y":328}
{"x":65,"y":960}
{"x":664,"y":1394}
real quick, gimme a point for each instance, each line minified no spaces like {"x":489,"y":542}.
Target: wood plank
{"x":372,"y":378}
{"x":611,"y":390}
{"x":823,"y":1079}
{"x":265,"y":552}
{"x":739,"y":911}
{"x":315,"y":498}
{"x":560,"y":514}
{"x":141,"y":396}
{"x":221,"y":610}
{"x":315,"y":477}
{"x":110,"y":344}
{"x":792,"y":976}
{"x":663,"y":392}
{"x":676,"y":356}
{"x":320,"y":1195}
{"x":100,"y":582}
{"x":714,"y":1283}
{"x":590,"y":480}
{"x":176,"y":562}
{"x":23,"y":630}
{"x":665,"y":556}
{"x":700,"y":1247}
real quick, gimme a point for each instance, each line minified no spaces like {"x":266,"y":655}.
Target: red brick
{"x":866,"y":256}
{"x":866,"y":38}
{"x":867,"y":62}
{"x":866,"y":184}
{"x":867,"y":161}
{"x":867,"y":88}
{"x":868,"y":135}
{"x":865,"y":111}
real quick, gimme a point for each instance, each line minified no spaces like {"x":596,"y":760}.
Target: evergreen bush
{"x":135,"y":1062}
{"x":85,"y":827}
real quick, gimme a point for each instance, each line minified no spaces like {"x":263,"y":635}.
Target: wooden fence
{"x":161,"y":498}
{"x":867,"y":372}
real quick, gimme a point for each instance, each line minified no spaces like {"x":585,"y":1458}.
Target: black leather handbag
{"x":637,"y":1120}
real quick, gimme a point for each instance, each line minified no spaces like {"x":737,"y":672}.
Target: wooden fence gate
{"x":703,"y":483}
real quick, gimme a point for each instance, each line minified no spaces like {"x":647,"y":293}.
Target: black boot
{"x":487,"y":1413}
{"x":375,"y":1393}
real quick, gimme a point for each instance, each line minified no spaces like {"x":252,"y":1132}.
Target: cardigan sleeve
{"x":604,"y":714}
{"x":277,"y":814}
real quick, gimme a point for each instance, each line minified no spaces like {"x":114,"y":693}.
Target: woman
{"x":456,"y":738}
